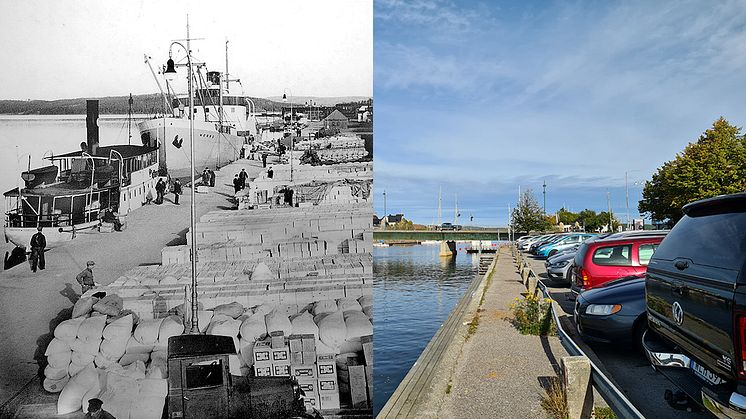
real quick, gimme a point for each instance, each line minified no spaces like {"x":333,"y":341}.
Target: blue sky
{"x":480,"y":98}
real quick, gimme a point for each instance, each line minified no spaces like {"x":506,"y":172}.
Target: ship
{"x":72,"y":193}
{"x":223,"y":124}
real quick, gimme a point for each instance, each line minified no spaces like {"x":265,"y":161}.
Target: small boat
{"x":73,"y":192}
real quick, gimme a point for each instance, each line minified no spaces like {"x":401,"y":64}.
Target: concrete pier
{"x":447,"y":249}
{"x":318,"y":249}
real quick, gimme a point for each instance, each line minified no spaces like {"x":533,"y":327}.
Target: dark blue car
{"x":614,"y":312}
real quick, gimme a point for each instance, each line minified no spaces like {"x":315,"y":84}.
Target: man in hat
{"x":85,"y":278}
{"x":177,"y":191}
{"x":95,"y":410}
{"x":243,"y":176}
{"x":38,"y":243}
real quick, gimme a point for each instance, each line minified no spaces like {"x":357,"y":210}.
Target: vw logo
{"x":677,"y":312}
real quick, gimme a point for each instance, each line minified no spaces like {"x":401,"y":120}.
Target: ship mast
{"x":440,"y":205}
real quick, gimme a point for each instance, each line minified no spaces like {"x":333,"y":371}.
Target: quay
{"x":485,"y":368}
{"x":274,"y":254}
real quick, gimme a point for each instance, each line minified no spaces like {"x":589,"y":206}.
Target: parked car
{"x":553,"y":238}
{"x":601,"y":261}
{"x":558,"y":266}
{"x":696,"y":303}
{"x":528,"y":242}
{"x":569,"y":240}
{"x":615,"y":312}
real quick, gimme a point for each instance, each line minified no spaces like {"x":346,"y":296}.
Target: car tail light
{"x":585,"y":278}
{"x":740,"y":341}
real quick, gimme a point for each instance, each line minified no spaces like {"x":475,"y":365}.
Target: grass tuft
{"x":553,"y":401}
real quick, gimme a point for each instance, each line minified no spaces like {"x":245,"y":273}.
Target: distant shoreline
{"x":147,"y":104}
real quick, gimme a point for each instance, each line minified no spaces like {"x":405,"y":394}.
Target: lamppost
{"x":285,"y":99}
{"x":170,"y":74}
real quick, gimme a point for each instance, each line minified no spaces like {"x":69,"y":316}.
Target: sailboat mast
{"x":227,"y":79}
{"x":440,"y":205}
{"x":129,"y":122}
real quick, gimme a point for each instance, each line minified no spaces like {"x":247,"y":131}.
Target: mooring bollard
{"x":576,"y":375}
{"x":532,"y":282}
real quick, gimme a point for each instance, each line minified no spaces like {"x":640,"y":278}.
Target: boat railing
{"x":14,"y":219}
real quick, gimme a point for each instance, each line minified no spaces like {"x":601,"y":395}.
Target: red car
{"x":604,"y":260}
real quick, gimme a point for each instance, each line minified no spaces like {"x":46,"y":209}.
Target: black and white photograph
{"x":188,"y":209}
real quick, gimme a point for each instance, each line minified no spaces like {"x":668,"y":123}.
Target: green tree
{"x":404,"y":224}
{"x":528,"y":215}
{"x":713,"y":165}
{"x":566,"y":217}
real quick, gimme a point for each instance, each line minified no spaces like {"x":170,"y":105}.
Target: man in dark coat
{"x":212,"y":177}
{"x":38,"y":243}
{"x":160,"y":189}
{"x":177,"y":191}
{"x":243,"y":176}
{"x":206,"y":177}
{"x":236,"y":184}
{"x":264,"y":159}
{"x":270,"y":172}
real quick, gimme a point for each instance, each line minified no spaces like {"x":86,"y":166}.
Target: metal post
{"x":384,"y":209}
{"x":626,"y":197}
{"x":193,"y":210}
{"x":545,"y":198}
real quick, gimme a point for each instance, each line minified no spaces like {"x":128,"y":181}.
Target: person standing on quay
{"x":236,"y":184}
{"x":243,"y":176}
{"x":177,"y":191}
{"x":85,"y":277}
{"x":264,"y":160}
{"x":212,"y":177}
{"x":160,"y":189}
{"x":38,"y":243}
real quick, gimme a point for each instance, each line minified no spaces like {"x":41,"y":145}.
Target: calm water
{"x":414,"y":291}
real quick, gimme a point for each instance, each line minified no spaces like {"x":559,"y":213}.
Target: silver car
{"x":559,"y":265}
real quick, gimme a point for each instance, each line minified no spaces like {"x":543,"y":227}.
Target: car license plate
{"x":705,"y":373}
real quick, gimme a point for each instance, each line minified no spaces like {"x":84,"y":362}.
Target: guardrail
{"x":608,"y":391}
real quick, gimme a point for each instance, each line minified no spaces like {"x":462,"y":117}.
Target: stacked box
{"x":358,"y":386}
{"x":308,"y":342}
{"x":281,"y":361}
{"x":263,"y":359}
{"x":328,"y":385}
{"x":367,"y":349}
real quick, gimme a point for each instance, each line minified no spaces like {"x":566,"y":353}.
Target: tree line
{"x":714,"y":164}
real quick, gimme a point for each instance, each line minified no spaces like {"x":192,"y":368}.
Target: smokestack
{"x":91,"y":123}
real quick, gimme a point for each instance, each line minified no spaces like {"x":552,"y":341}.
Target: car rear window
{"x":645,"y":252}
{"x":715,"y":240}
{"x":619,"y":255}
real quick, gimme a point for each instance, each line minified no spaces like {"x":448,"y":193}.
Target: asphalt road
{"x":624,"y":364}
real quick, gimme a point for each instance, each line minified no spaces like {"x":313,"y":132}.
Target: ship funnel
{"x":91,"y":123}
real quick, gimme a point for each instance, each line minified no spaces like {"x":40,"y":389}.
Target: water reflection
{"x":414,"y":291}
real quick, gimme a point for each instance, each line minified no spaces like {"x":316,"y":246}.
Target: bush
{"x":533,"y":316}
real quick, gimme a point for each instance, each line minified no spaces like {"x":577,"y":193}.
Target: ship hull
{"x":211,"y":148}
{"x":55,"y":236}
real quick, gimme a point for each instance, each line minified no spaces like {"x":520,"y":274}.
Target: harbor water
{"x":414,"y":291}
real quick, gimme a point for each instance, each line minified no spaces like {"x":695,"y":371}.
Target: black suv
{"x":696,"y":303}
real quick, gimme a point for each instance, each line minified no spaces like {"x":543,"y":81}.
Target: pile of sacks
{"x":127,"y":392}
{"x":102,"y":335}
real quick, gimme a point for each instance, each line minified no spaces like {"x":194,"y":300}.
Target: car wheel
{"x":552,"y":252}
